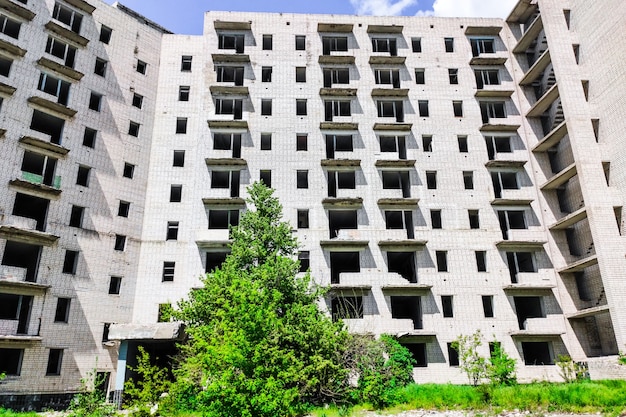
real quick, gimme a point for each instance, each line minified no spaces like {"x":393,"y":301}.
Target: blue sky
{"x":185,"y":16}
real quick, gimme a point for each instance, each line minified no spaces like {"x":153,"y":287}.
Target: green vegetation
{"x":90,"y":401}
{"x":8,"y":413}
{"x":260,"y":345}
{"x":141,"y":395}
{"x":569,"y":370}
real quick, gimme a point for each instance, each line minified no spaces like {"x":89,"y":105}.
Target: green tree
{"x":470,"y":361}
{"x":259,"y":345}
{"x":501,"y":367}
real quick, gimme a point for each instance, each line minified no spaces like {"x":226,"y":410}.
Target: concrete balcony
{"x":56,"y":150}
{"x":531,"y":34}
{"x":533,"y":282}
{"x":336,"y":59}
{"x":544,"y":102}
{"x":507,"y":160}
{"x":552,"y":138}
{"x":537,"y":69}
{"x":213,"y":238}
{"x":24,"y":230}
{"x":570,"y":220}
{"x":497,"y":58}
{"x":60,"y":68}
{"x":580,"y":264}
{"x":523,"y":239}
{"x":551,"y":326}
{"x":229,"y":90}
{"x":494,"y":91}
{"x":560,"y":178}
{"x":67,"y":34}
{"x":520,"y":196}
{"x":589,"y":312}
{"x":230,"y":58}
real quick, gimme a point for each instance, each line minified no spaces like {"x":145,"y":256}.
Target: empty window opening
{"x":403,"y":263}
{"x":133,"y":128}
{"x":385,"y":45}
{"x":39,"y":169}
{"x":67,"y":16}
{"x":527,"y":308}
{"x":435,"y":219}
{"x":179,"y":158}
{"x":407,"y":307}
{"x":70,"y":262}
{"x":164,"y":313}
{"x":82,"y":177}
{"x":129,"y":170}
{"x":420,"y":76}
{"x":230,"y":106}
{"x":492,"y":110}
{"x":228,"y":141}
{"x":497,"y":144}
{"x":115,"y":284}
{"x":137,"y":100}
{"x":89,"y":137}
{"x":345,"y":307}
{"x":95,"y":101}
{"x":519,"y":262}
{"x":172,"y":231}
{"x":266,"y":74}
{"x":267,"y":42}
{"x":9,"y":26}
{"x":397,"y":180}
{"x":48,"y":125}
{"x":228,"y":74}
{"x":16,"y":307}
{"x":5,"y":66}
{"x":394,"y":144}
{"x":334,"y":108}
{"x":595,"y":123}
{"x":185,"y":63}
{"x":453,"y":355}
{"x":418,"y":353}
{"x":336,"y":76}
{"x":427,"y":143}
{"x":215,"y":260}
{"x":61,"y":50}
{"x":300,"y":74}
{"x":32,"y":207}
{"x":76,"y":216}
{"x":183,"y":92}
{"x":303,"y":258}
{"x":340,"y":220}
{"x":22,"y":255}
{"x":486,"y":77}
{"x":100,"y":68}
{"x":442,"y":260}
{"x":511,"y":219}
{"x":266,"y":141}
{"x":457,"y":107}
{"x":265,"y":175}
{"x":422,"y":106}
{"x":11,"y":361}
{"x":431,"y":180}
{"x":397,"y":219}
{"x":481,"y":260}
{"x":301,"y":142}
{"x":504,"y":181}
{"x":302,"y":179}
{"x":266,"y":107}
{"x":340,"y":180}
{"x":449,"y":44}
{"x":181,"y":125}
{"x":387,"y":76}
{"x":223,"y":219}
{"x":334,"y":43}
{"x":105,"y":34}
{"x":54,"y":86}
{"x":62,"y":313}
{"x":537,"y":353}
{"x":341,"y":262}
{"x":463,"y":147}
{"x":235,"y":42}
{"x":618,"y":218}
{"x":303,"y":218}
{"x":474,"y":220}
{"x":468,"y":180}
{"x":453,"y":75}
{"x":487,"y":305}
{"x":301,"y":107}
{"x":482,"y":46}
{"x":123,"y":209}
{"x":300,"y":42}
{"x":141,"y":66}
{"x":120,"y":243}
{"x":446,"y":306}
{"x":583,"y":286}
{"x":388,"y":108}
{"x":338,"y":143}
{"x":606,"y":167}
{"x":176,"y":193}
{"x":55,"y":360}
{"x":168,"y":271}
{"x":102,"y":378}
{"x":416,"y":44}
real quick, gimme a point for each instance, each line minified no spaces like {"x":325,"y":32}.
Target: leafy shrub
{"x":569,"y":370}
{"x":91,"y":402}
{"x":501,"y":367}
{"x":144,"y":393}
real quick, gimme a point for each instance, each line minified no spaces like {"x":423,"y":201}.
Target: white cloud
{"x":381,"y":7}
{"x":473,"y":8}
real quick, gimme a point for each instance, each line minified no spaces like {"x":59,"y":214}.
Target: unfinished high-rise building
{"x":442,"y":175}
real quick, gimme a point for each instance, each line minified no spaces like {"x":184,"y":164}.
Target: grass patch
{"x":9,"y":413}
{"x":606,"y":397}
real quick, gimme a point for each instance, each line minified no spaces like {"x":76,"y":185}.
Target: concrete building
{"x":443,"y":175}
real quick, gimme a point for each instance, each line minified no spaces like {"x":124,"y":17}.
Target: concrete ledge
{"x":155,"y":331}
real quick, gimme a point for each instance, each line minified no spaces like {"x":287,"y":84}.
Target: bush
{"x":569,"y":370}
{"x":501,"y":367}
{"x":143,"y":394}
{"x":91,"y":402}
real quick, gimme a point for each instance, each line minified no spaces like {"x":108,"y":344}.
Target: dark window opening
{"x":338,"y":143}
{"x":5,"y":66}
{"x":300,"y":42}
{"x":492,"y":110}
{"x":442,"y":260}
{"x":340,"y":180}
{"x":48,"y":125}
{"x":266,"y":74}
{"x":403,"y":263}
{"x":266,"y":107}
{"x":463,"y":148}
{"x":137,"y":100}
{"x":115,"y":284}
{"x":227,"y":74}
{"x":168,"y":271}
{"x":185,"y":63}
{"x":10,"y":27}
{"x":519,"y":262}
{"x":435,"y":219}
{"x":446,"y":306}
{"x":416,"y":44}
{"x":396,"y":219}
{"x":481,"y":260}
{"x":95,"y":101}
{"x":385,"y":45}
{"x":431,"y":180}
{"x":300,"y":74}
{"x":229,"y":106}
{"x":265,"y":175}
{"x":334,"y":43}
{"x":22,"y":255}
{"x":527,"y":308}
{"x":179,"y":158}
{"x":183,"y":92}
{"x":32,"y":207}
{"x":340,"y":220}
{"x":486,"y":77}
{"x":387,"y":76}
{"x":181,"y":125}
{"x":347,"y":307}
{"x":133,"y":129}
{"x":176,"y":193}
{"x":16,"y":307}
{"x":301,"y":107}
{"x":422,"y":106}
{"x":61,"y":50}
{"x":227,"y":141}
{"x":76,"y":216}
{"x":55,"y":360}
{"x":235,"y":42}
{"x":100,"y":67}
{"x":397,"y":180}
{"x":457,"y":106}
{"x":474,"y":219}
{"x":453,"y":75}
{"x":388,"y":108}
{"x":301,"y":142}
{"x":89,"y":137}
{"x":62,"y":313}
{"x":427,"y":143}
{"x":407,"y":307}
{"x":267,"y":42}
{"x":54,"y":86}
{"x":303,"y":258}
{"x":105,"y":34}
{"x":343,"y":262}
{"x":82,"y":177}
{"x":11,"y":361}
{"x":214,"y":260}
{"x":303,"y":218}
{"x":172,"y":231}
{"x":420,"y":76}
{"x":302,"y":179}
{"x":537,"y":353}
{"x":449,"y":44}
{"x":336,"y":76}
{"x":482,"y":46}
{"x":453,"y":355}
{"x":141,"y":66}
{"x":67,"y":16}
{"x":333,"y":108}
{"x":223,"y":219}
{"x":129,"y":170}
{"x":120,"y":243}
{"x":488,"y":305}
{"x":394,"y":144}
{"x":70,"y":262}
{"x":418,"y":353}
